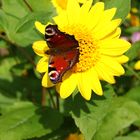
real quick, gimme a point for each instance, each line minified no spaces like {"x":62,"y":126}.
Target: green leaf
{"x":134,"y":94}
{"x":5,"y":102}
{"x":133,"y":52}
{"x":25,"y":120}
{"x":132,"y":136}
{"x":43,"y":6}
{"x":103,"y":117}
{"x":26,"y":28}
{"x":3,"y":44}
{"x":127,"y":138}
{"x":16,"y":83}
{"x":22,"y":31}
{"x":8,"y":23}
{"x":131,"y":30}
{"x":21,"y":69}
{"x":15,"y":8}
{"x":7,"y":64}
{"x":135,"y":134}
{"x":19,"y":26}
{"x":123,"y":7}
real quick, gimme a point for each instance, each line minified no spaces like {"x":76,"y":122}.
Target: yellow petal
{"x":59,"y":4}
{"x":84,"y":85}
{"x":109,"y":14}
{"x":82,"y":1}
{"x":122,"y":59}
{"x":112,"y":64}
{"x":67,"y":87}
{"x":86,"y":7}
{"x":104,"y":73}
{"x":73,"y":9}
{"x":95,"y":83}
{"x":40,"y":47}
{"x":84,"y":10}
{"x":42,"y":65}
{"x":95,"y":14}
{"x":40,"y":27}
{"x":107,"y":29}
{"x":134,"y":10}
{"x":105,"y":19}
{"x":115,"y":34}
{"x":137,"y":65}
{"x":114,"y":47}
{"x":61,"y":20}
{"x":46,"y":81}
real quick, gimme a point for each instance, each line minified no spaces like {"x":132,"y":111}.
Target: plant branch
{"x":28,"y":5}
{"x":52,"y":100}
{"x":132,"y":71}
{"x":43,"y":101}
{"x":57,"y":100}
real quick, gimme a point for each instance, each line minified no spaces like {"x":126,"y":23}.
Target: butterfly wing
{"x":60,"y":63}
{"x":59,"y":40}
{"x":63,"y":52}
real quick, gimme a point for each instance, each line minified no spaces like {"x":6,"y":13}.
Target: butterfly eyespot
{"x":53,"y":75}
{"x":49,"y":31}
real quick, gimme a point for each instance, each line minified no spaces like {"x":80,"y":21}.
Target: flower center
{"x":88,"y":48}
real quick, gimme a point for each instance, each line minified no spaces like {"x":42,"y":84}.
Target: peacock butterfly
{"x":63,"y":51}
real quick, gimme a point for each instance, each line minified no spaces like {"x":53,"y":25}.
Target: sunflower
{"x":100,"y":48}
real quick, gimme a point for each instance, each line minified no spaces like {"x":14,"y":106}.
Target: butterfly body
{"x":63,"y":51}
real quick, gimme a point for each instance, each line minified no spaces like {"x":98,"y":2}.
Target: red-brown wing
{"x":59,"y":40}
{"x":60,"y":63}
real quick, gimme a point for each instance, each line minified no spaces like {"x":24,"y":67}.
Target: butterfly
{"x":63,"y":51}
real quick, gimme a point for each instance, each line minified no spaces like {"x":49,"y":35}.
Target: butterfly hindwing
{"x":60,"y":63}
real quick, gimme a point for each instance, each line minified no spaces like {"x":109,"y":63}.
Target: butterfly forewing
{"x":59,"y":40}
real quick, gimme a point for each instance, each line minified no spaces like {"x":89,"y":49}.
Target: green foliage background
{"x":31,"y":112}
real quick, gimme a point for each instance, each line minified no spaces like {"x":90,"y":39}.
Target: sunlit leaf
{"x":134,"y":94}
{"x":123,"y":7}
{"x":104,"y":117}
{"x":16,"y":8}
{"x":25,"y":120}
{"x":132,"y":136}
{"x":133,"y":52}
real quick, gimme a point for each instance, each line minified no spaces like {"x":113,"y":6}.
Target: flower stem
{"x":43,"y":101}
{"x":132,"y":71}
{"x":57,"y":101}
{"x":51,"y":98}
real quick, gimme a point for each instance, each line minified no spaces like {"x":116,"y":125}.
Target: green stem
{"x":28,"y":5}
{"x":43,"y":101}
{"x":95,"y":1}
{"x":57,"y":101}
{"x":132,"y":71}
{"x":51,"y":98}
